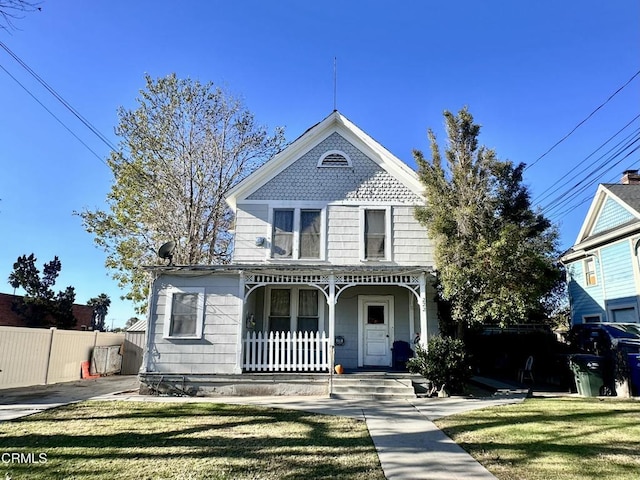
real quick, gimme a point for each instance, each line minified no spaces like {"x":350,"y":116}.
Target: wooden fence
{"x":286,"y":352}
{"x":37,"y":356}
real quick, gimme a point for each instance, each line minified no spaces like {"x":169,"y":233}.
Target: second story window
{"x":296,"y":233}
{"x":590,"y":271}
{"x":374,"y":234}
{"x":310,"y":233}
{"x":282,"y":236}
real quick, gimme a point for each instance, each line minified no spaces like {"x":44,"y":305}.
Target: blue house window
{"x":590,"y":272}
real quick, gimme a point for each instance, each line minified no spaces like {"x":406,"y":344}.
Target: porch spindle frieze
{"x":321,"y":281}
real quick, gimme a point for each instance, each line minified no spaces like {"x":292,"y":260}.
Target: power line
{"x":571,"y":193}
{"x":560,"y":182}
{"x":583,"y":121}
{"x":574,"y":193}
{"x":585,"y":199}
{"x":54,"y":116}
{"x":143,"y":177}
{"x":59,"y":97}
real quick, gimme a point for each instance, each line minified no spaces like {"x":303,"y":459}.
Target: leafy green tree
{"x":182,"y":149}
{"x":40,"y":306}
{"x":494,"y":255}
{"x":100,"y":305}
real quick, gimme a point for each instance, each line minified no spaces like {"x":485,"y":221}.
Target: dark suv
{"x":601,"y":338}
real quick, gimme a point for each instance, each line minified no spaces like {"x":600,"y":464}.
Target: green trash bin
{"x":587,"y":372}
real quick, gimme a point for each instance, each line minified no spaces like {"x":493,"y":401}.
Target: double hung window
{"x":184,"y":313}
{"x":296,"y":234}
{"x":280,"y":314}
{"x":294,"y":309}
{"x":307,"y":311}
{"x":282,"y":233}
{"x":590,"y":271}
{"x":375,"y":224}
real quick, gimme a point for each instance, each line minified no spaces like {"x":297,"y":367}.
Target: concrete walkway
{"x":408,"y":443}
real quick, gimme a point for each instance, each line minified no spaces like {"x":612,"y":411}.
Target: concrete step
{"x":372,"y":388}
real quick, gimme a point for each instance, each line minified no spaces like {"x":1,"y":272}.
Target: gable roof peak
{"x":625,"y":195}
{"x":335,"y":122}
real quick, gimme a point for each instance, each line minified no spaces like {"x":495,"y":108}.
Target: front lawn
{"x":559,"y":438}
{"x":131,"y":440}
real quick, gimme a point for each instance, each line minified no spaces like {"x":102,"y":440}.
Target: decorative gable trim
{"x":335,"y":122}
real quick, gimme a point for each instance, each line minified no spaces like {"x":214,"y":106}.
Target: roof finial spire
{"x":335,"y":84}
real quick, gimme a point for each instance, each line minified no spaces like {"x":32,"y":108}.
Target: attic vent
{"x":334,"y":158}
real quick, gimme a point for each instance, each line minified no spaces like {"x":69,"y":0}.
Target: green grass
{"x":130,"y":440}
{"x":553,"y":439}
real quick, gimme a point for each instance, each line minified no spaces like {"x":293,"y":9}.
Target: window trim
{"x":200,"y":291}
{"x":297,"y":207}
{"x":334,"y":152}
{"x":388,"y":247}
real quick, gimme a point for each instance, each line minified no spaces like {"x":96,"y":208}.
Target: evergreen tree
{"x":495,"y":256}
{"x":40,"y":306}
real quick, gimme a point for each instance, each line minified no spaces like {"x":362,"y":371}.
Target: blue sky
{"x":528,"y":71}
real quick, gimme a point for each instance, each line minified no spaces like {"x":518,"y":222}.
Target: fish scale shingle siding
{"x":363,"y":181}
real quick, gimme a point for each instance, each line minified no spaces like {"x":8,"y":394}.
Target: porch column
{"x":424,"y":332}
{"x":331,"y":301}
{"x":240,"y":331}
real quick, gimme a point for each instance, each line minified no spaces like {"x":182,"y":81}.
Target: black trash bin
{"x":401,"y":353}
{"x":588,"y":374}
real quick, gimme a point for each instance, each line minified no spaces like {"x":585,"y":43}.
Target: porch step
{"x":347,"y":387}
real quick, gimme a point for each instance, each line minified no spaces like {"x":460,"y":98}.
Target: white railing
{"x":286,"y":352}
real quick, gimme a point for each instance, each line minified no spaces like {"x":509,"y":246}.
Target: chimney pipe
{"x":630,"y":177}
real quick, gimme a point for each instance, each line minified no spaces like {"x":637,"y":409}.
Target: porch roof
{"x":279,"y":269}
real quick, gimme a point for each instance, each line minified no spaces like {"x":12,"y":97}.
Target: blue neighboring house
{"x":603,"y":271}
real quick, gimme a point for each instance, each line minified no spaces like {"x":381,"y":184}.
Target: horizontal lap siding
{"x":411,"y":245}
{"x":617,"y":265}
{"x":216,"y":351}
{"x":585,"y":299}
{"x":343,"y":240}
{"x":251,"y":222}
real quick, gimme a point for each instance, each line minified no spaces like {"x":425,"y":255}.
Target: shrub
{"x":445,"y":364}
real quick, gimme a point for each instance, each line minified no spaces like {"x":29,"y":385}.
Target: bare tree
{"x":12,"y":10}
{"x":184,"y":147}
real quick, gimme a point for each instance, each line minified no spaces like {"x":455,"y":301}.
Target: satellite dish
{"x":166,"y":251}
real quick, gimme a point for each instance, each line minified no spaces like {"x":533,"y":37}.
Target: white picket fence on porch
{"x":286,"y":352}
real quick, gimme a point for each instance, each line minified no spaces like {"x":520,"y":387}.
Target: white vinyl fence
{"x":37,"y":356}
{"x":286,"y":352}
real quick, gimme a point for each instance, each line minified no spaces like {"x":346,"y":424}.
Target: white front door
{"x":376,"y":328}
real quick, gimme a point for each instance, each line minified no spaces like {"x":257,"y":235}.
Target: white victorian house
{"x":330,"y":267}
